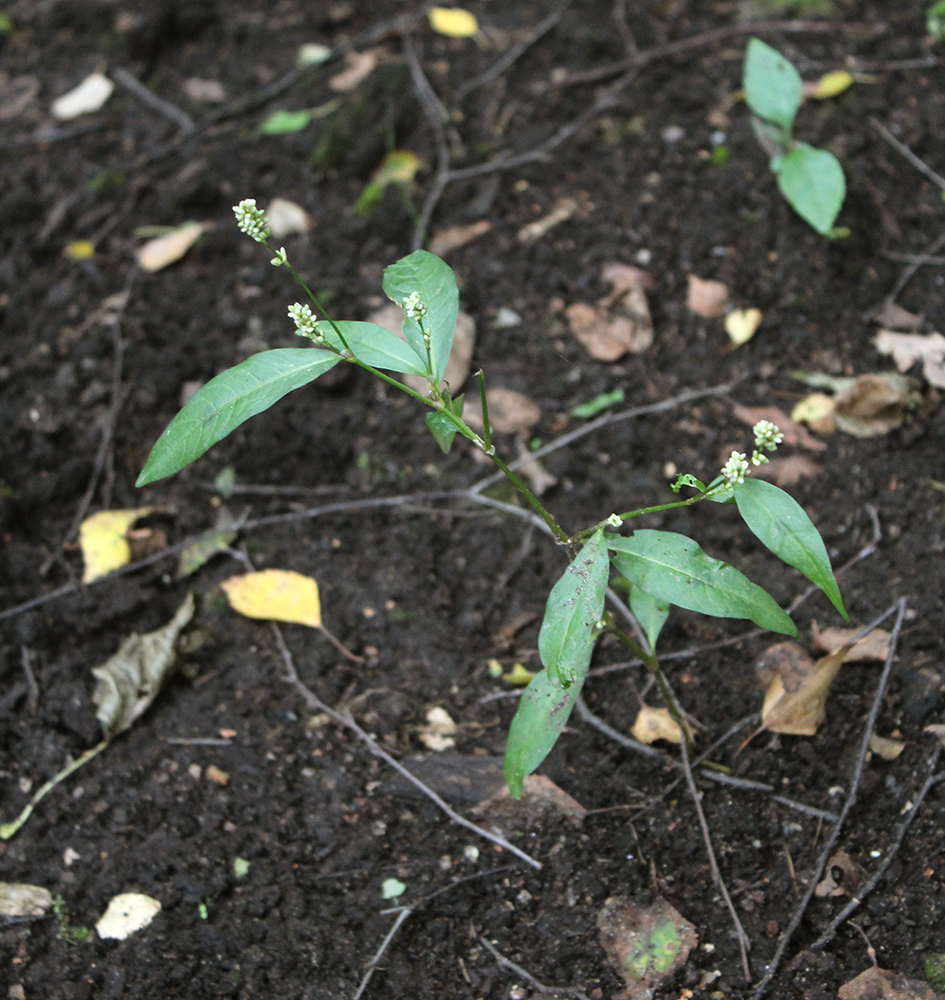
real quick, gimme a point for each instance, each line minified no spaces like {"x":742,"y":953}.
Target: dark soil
{"x":425,"y":591}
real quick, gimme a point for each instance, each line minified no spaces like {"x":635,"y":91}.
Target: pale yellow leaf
{"x":276,"y":595}
{"x":88,"y":96}
{"x":359,"y":66}
{"x":654,"y":724}
{"x":127,"y":913}
{"x":873,"y":646}
{"x":885,"y":747}
{"x":80,"y":250}
{"x":286,"y":218}
{"x":164,"y":250}
{"x":937,"y":730}
{"x":801,"y":711}
{"x":438,"y":733}
{"x":829,"y":85}
{"x":104,"y":542}
{"x":518,"y":675}
{"x":907,"y":348}
{"x":816,"y":410}
{"x":741,"y":324}
{"x":453,"y":22}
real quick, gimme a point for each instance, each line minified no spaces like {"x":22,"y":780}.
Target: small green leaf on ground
{"x":584,"y":411}
{"x":286,"y":122}
{"x":391,"y":888}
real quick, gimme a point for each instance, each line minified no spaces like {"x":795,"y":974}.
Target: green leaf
{"x":813,"y":183}
{"x":773,"y":87}
{"x":592,"y":407}
{"x":780,"y":523}
{"x":573,"y":609}
{"x":542,"y":713}
{"x":374,"y":345}
{"x":673,"y":568}
{"x":441,"y":427}
{"x":228,"y":400}
{"x":285,"y":122}
{"x":650,"y":612}
{"x":434,"y":280}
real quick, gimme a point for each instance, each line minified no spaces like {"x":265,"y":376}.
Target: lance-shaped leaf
{"x":126,"y":685}
{"x":812,"y":181}
{"x":426,"y":274}
{"x":674,"y":568}
{"x":228,"y":400}
{"x":542,"y":713}
{"x":650,"y":612}
{"x":780,"y":523}
{"x":374,"y":345}
{"x":574,"y":607}
{"x":773,"y":87}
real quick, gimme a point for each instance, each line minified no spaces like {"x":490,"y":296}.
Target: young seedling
{"x":663,"y":568}
{"x":810,"y":179}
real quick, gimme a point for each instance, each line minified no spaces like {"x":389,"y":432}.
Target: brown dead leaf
{"x":799,"y":712}
{"x":286,"y":218}
{"x":875,"y":404}
{"x":562,"y":209}
{"x":620,"y":322}
{"x":162,"y":251}
{"x":816,"y":410}
{"x":539,"y":478}
{"x":794,"y":434}
{"x":878,"y":984}
{"x":841,"y":878}
{"x":510,"y":412}
{"x":908,"y":348}
{"x":358,"y":67}
{"x":937,"y":730}
{"x":786,"y":660}
{"x":789,"y":470}
{"x":708,"y":299}
{"x":540,"y":795}
{"x":458,"y":236}
{"x":873,"y":646}
{"x":894,"y":317}
{"x":886,"y":747}
{"x":654,"y":724}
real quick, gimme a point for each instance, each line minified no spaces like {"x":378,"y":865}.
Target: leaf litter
{"x":620,"y":323}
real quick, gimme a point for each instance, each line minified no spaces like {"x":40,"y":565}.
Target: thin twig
{"x":904,"y":150}
{"x":930,"y":782}
{"x":346,"y":720}
{"x":539,"y":987}
{"x":788,"y":934}
{"x":32,"y":688}
{"x":134,"y":86}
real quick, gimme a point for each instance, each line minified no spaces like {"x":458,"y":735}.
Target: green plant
{"x":67,"y":932}
{"x":810,"y":179}
{"x":664,"y":568}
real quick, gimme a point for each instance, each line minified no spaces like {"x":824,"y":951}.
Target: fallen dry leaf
{"x":88,"y":96}
{"x":816,"y":410}
{"x":103,"y":539}
{"x":286,"y":218}
{"x":458,"y":236}
{"x":799,"y":710}
{"x":562,"y":209}
{"x":127,"y":913}
{"x":510,"y":412}
{"x":829,"y":85}
{"x":938,"y":731}
{"x":886,"y":747}
{"x":539,"y":478}
{"x":620,"y":322}
{"x":18,"y":899}
{"x":540,"y":795}
{"x":873,"y":646}
{"x":878,"y":984}
{"x":438,"y":733}
{"x":654,"y":724}
{"x":646,"y":945}
{"x":127,"y":683}
{"x":908,"y":348}
{"x":741,"y":324}
{"x":708,"y":299}
{"x":164,"y":250}
{"x":841,"y":878}
{"x":359,"y":66}
{"x":204,"y":91}
{"x":788,"y":470}
{"x":893,"y":317}
{"x":864,"y":406}
{"x":217,"y":775}
{"x":794,"y":433}
{"x":454,"y":22}
{"x":277,"y":595}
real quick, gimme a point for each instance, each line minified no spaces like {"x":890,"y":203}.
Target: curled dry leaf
{"x":454,"y":22}
{"x":864,"y":406}
{"x":908,"y":348}
{"x":797,"y":708}
{"x":620,"y":322}
{"x":873,"y":646}
{"x":562,"y":209}
{"x":127,"y":684}
{"x":708,"y":299}
{"x":438,"y":733}
{"x":90,"y":95}
{"x":842,"y":877}
{"x":277,"y":595}
{"x":741,"y":324}
{"x":103,"y":539}
{"x":18,"y":899}
{"x":164,"y":250}
{"x":816,"y":410}
{"x":286,"y":218}
{"x":358,"y":67}
{"x":886,"y":747}
{"x":891,"y":316}
{"x":458,"y":236}
{"x":654,"y":724}
{"x":878,"y":984}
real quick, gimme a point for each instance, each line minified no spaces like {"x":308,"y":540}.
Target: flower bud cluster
{"x":305,"y":322}
{"x":252,"y":220}
{"x":736,"y":468}
{"x":414,"y":307}
{"x":767,"y":438}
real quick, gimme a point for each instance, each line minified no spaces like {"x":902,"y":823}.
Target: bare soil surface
{"x":617,"y":107}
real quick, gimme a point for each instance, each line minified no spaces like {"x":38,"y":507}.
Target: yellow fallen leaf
{"x":276,"y":595}
{"x":816,"y":410}
{"x":741,"y":324}
{"x":654,"y":724}
{"x":873,"y":646}
{"x":800,"y":711}
{"x":829,"y":85}
{"x":518,"y":675}
{"x":454,"y":22}
{"x":104,"y":543}
{"x":164,"y":250}
{"x":80,"y":250}
{"x":886,"y":747}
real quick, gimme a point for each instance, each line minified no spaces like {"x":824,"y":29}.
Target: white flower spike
{"x":252,"y":220}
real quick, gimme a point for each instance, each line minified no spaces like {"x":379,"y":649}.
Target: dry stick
{"x":930,"y":782}
{"x":346,"y":720}
{"x":405,"y":911}
{"x":857,"y":776}
{"x":134,"y":86}
{"x":743,"y":943}
{"x":539,"y":987}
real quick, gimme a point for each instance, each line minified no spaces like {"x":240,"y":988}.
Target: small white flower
{"x":252,"y":220}
{"x":758,"y":459}
{"x":767,"y":436}
{"x":413,"y":306}
{"x":304,"y":321}
{"x":735,"y":468}
{"x":280,"y":258}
